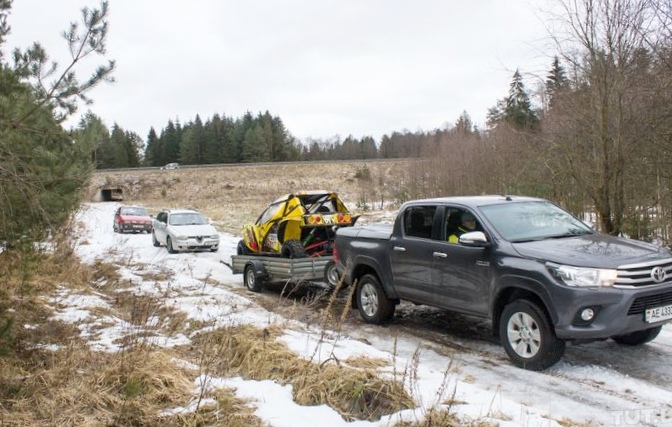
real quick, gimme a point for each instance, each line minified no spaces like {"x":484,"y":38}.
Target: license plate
{"x":658,"y":314}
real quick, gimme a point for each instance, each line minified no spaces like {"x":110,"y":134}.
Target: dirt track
{"x":235,"y":194}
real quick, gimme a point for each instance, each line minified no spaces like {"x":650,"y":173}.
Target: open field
{"x":235,"y":194}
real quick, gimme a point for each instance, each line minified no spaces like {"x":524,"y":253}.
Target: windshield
{"x":187,"y":219}
{"x":134,"y":211}
{"x":534,"y":220}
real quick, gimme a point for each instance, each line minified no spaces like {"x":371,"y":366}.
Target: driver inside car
{"x":467,"y":224}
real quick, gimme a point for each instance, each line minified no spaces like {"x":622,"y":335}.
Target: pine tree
{"x":192,"y":144}
{"x":464,"y":125}
{"x":254,"y":146}
{"x":43,"y":168}
{"x":514,"y":110}
{"x":152,"y":155}
{"x":170,"y":142}
{"x":92,"y":131}
{"x":556,"y":81}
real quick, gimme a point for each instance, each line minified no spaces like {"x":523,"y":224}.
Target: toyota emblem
{"x":658,"y":274}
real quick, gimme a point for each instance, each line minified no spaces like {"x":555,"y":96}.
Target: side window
{"x":459,"y":221}
{"x":269,"y":213}
{"x":418,"y":221}
{"x":161,"y":217}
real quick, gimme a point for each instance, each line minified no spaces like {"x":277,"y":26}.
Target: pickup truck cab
{"x":539,"y":274}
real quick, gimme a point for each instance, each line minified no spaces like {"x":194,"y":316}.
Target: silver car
{"x":184,"y":230}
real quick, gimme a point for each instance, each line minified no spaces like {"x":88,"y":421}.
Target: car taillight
{"x":335,"y":253}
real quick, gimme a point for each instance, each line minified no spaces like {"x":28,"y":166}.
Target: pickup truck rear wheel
{"x":374,"y":306}
{"x":639,"y":337}
{"x":527,"y":337}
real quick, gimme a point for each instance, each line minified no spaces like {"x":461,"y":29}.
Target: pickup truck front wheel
{"x":528,"y":338}
{"x":374,"y":306}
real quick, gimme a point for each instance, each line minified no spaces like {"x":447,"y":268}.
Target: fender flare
{"x":258,"y":266}
{"x":363,"y":263}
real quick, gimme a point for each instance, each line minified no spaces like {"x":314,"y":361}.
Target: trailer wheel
{"x":253,"y":280}
{"x":293,"y":249}
{"x":331,"y":276}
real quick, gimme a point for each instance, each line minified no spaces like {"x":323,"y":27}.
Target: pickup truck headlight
{"x":583,"y":277}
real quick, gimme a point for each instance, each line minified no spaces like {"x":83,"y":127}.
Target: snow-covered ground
{"x":597,"y":384}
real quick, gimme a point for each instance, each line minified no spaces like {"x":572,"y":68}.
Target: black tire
{"x":252,"y":281}
{"x":293,"y":249}
{"x":241,"y":249}
{"x":373,"y":305}
{"x":527,"y":336}
{"x":169,"y":245}
{"x":115,"y":228}
{"x":639,"y":337}
{"x":154,"y":241}
{"x":331,"y":276}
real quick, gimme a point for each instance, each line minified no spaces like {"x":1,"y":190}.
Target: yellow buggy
{"x":297,"y":225}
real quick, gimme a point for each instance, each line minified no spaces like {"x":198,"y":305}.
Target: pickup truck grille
{"x":642,"y":303}
{"x":638,"y":275}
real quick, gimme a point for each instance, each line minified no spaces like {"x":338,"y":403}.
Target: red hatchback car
{"x":133,"y":219}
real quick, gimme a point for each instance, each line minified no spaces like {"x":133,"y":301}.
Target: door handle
{"x":439,"y":255}
{"x":399,"y":249}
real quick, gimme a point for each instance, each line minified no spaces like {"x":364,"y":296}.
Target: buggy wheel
{"x":241,"y":249}
{"x":293,"y":249}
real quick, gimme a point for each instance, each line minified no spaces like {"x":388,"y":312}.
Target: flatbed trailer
{"x":258,"y":270}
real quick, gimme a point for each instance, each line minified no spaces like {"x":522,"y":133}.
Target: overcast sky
{"x":326,"y":68}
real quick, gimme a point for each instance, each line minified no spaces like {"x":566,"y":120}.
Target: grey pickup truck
{"x":539,"y":274}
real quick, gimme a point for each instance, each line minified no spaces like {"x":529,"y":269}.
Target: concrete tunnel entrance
{"x":111,"y":194}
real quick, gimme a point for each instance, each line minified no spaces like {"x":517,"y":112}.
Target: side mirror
{"x":474,"y":239}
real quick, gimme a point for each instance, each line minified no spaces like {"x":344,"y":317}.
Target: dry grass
{"x":254,"y":353}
